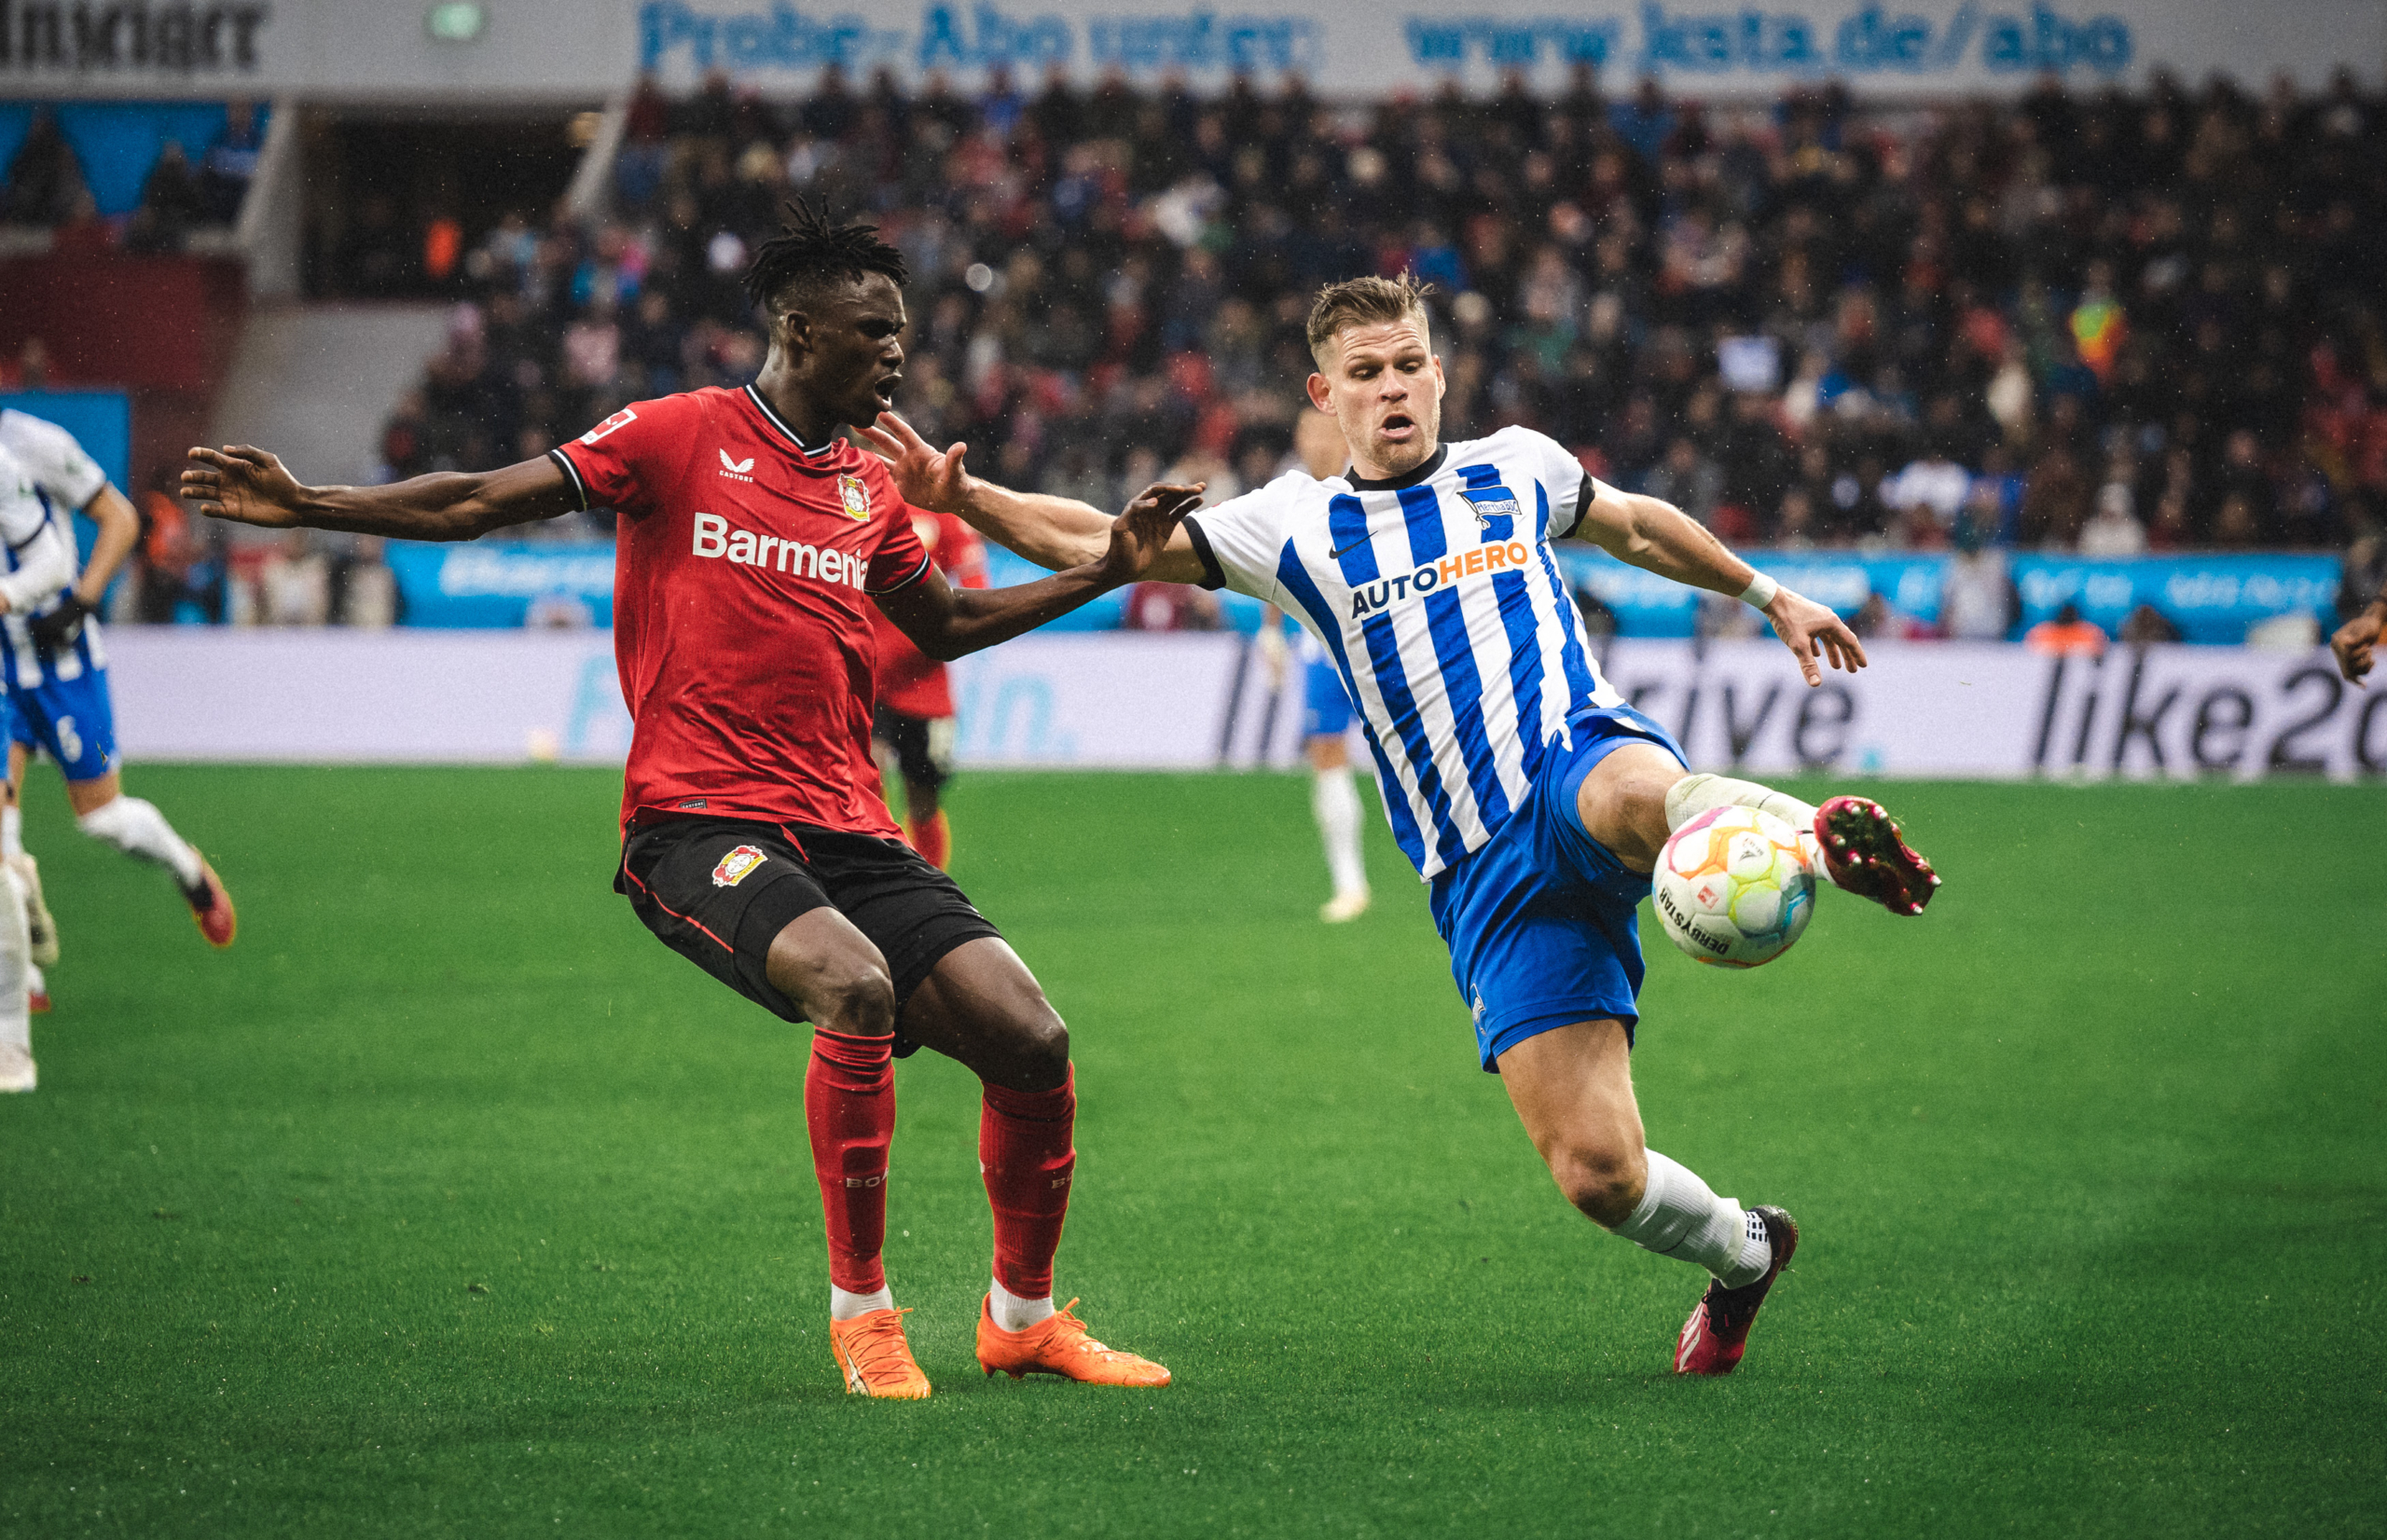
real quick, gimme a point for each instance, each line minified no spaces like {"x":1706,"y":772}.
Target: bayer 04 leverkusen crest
{"x":854,"y":495}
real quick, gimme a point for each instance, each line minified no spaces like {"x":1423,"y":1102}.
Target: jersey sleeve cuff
{"x":916,"y":574}
{"x":1213,"y":576}
{"x":1583,"y":496}
{"x":571,"y":474}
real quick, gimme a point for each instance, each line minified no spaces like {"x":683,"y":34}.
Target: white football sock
{"x":12,"y":830}
{"x":1680,"y":1216}
{"x":138,"y":829}
{"x":1695,"y":794}
{"x":844,"y":1307}
{"x":16,"y":949}
{"x":1335,"y":803}
{"x":1014,"y":1314}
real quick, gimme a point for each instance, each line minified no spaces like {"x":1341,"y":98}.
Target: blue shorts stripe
{"x":1295,"y":580}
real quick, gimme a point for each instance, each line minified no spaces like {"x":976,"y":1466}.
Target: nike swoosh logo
{"x":1337,"y":556}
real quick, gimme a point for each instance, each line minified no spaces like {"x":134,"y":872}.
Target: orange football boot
{"x":211,"y":907}
{"x":1060,"y":1345}
{"x":875,"y":1358}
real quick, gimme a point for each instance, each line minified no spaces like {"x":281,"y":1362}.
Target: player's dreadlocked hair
{"x":810,"y":251}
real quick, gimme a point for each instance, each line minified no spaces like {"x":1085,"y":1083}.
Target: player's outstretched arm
{"x":2357,"y":637}
{"x":1658,"y":537}
{"x":252,"y":486}
{"x":946,"y":622}
{"x":1054,"y":533}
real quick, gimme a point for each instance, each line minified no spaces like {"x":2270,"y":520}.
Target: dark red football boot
{"x":1713,"y":1339}
{"x":1863,"y":854}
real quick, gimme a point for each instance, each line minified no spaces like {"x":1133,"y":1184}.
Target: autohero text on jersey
{"x":1511,"y":556}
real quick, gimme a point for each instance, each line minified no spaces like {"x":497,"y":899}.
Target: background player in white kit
{"x":56,"y":666}
{"x":1326,"y":709}
{"x":38,"y":565}
{"x":1530,"y":796}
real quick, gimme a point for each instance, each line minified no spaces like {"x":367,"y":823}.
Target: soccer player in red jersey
{"x":754,"y":543}
{"x":914,"y":726}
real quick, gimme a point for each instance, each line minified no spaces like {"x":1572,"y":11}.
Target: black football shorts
{"x":719,"y":890}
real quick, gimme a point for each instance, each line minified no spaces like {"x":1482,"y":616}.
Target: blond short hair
{"x":1364,"y":302}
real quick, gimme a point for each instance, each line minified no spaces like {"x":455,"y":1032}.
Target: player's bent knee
{"x":1603,"y":1179}
{"x":858,"y":1002}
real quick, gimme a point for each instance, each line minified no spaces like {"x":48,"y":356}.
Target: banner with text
{"x":563,"y":47}
{"x":1184,"y":702}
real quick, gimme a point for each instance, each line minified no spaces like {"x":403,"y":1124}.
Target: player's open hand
{"x":1814,"y":634}
{"x":244,"y":484}
{"x":1141,"y":534}
{"x":927,"y":479}
{"x":2353,"y":642}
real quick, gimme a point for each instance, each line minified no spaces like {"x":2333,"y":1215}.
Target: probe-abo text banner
{"x":1095,"y":701}
{"x":182,"y":47}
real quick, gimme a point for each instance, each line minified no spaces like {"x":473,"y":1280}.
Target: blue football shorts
{"x":1326,"y":711}
{"x":1543,"y":922}
{"x":69,"y":720}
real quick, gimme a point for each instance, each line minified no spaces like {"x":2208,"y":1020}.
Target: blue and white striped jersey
{"x":1438,"y":597}
{"x":49,"y":477}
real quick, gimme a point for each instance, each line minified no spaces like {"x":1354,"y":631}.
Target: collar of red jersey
{"x":807,"y":450}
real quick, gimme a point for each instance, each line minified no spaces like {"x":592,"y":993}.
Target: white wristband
{"x":1761,"y":591}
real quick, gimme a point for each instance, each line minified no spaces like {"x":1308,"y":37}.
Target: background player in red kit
{"x":914,"y":726}
{"x":753,"y":543}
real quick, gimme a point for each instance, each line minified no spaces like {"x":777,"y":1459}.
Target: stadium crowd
{"x":2110,"y":323}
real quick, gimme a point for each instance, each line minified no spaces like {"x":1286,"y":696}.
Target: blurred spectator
{"x":2113,"y":532}
{"x":2065,"y":636}
{"x":2055,"y":501}
{"x":231,"y":164}
{"x":2148,"y":625}
{"x":1171,"y":607}
{"x":44,"y":180}
{"x":364,"y":590}
{"x":171,"y":202}
{"x":178,"y":580}
{"x":1978,"y":601}
{"x":294,"y":585}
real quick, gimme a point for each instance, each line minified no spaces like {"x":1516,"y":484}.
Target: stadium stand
{"x":2112,"y":323}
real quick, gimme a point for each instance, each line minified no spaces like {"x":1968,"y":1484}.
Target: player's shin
{"x":850,"y":1109}
{"x":1700,"y":793}
{"x":1027,"y":1155}
{"x":137,"y":827}
{"x":1334,"y":800}
{"x":1680,"y":1216}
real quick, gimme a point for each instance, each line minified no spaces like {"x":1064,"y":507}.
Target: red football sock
{"x":849,"y":1107}
{"x":1027,"y":1157}
{"x":932,"y":837}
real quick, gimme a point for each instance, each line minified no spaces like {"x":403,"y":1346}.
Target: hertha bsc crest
{"x":734,"y":866}
{"x":855,"y":496}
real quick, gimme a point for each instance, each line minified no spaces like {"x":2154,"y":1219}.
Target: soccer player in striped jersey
{"x":1529,"y":794}
{"x":35,"y":569}
{"x":56,"y":667}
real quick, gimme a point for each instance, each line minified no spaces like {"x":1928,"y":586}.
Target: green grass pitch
{"x":451,"y":1202}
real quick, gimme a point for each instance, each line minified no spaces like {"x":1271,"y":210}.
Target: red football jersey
{"x":743,"y":569}
{"x":909,"y":680}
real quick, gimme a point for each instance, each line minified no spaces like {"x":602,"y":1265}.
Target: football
{"x":1734,"y":887}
